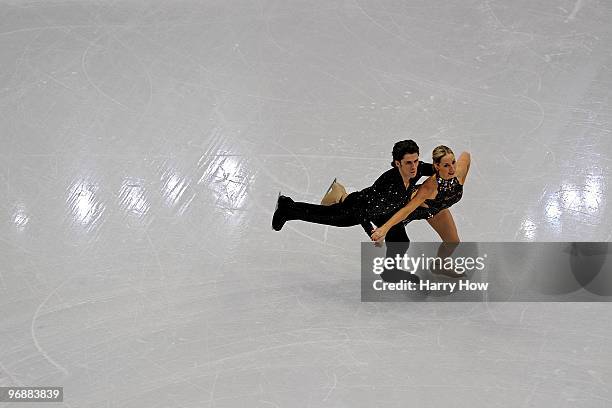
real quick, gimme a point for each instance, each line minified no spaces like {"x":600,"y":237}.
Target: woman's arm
{"x":425,"y":191}
{"x":463,"y":166}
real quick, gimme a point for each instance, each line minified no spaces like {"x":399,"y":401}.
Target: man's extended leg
{"x":345,"y":214}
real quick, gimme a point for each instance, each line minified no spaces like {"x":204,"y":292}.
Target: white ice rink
{"x":142,"y":147}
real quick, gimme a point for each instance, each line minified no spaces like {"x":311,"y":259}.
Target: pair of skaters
{"x":392,"y":201}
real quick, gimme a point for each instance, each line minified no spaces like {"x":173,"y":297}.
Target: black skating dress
{"x":449,"y":193}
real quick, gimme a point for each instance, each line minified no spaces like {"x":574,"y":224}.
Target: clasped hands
{"x":378,"y":234}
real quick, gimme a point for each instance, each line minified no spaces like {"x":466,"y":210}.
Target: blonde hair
{"x":439,"y":152}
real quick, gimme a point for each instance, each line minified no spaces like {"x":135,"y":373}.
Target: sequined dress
{"x":449,"y":193}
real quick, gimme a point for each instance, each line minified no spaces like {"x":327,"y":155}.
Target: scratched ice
{"x":143,"y":145}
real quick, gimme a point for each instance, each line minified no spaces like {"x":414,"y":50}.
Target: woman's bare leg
{"x":444,"y":224}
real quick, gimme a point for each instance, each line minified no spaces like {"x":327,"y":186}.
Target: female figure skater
{"x":433,"y":198}
{"x":432,"y":201}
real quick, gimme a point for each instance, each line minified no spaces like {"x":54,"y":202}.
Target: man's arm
{"x":367,"y":227}
{"x":383,"y":184}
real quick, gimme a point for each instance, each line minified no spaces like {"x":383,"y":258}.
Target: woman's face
{"x":447,"y":167}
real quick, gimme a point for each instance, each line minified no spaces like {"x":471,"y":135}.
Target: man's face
{"x":408,"y":165}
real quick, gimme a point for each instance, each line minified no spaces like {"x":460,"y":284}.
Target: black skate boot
{"x":280,"y":212}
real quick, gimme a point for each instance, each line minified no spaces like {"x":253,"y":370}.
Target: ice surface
{"x":142,"y":147}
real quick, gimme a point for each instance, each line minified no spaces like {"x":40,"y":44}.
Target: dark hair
{"x":400,"y":149}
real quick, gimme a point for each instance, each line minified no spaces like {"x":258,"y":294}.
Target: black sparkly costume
{"x":449,"y":193}
{"x":376,"y":203}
